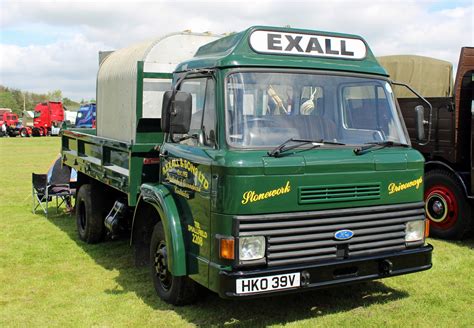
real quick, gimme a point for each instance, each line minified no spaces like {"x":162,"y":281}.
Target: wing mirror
{"x":176,"y":112}
{"x":420,"y":123}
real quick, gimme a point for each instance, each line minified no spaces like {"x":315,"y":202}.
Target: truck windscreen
{"x":263,"y":109}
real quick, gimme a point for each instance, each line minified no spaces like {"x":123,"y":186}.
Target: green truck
{"x":274,"y":160}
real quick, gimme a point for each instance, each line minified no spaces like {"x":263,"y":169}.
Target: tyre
{"x":89,"y":218}
{"x":171,"y":289}
{"x":24,"y":133}
{"x":37,"y":132}
{"x":446,"y":206}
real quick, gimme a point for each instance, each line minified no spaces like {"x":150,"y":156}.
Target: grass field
{"x":48,"y":277}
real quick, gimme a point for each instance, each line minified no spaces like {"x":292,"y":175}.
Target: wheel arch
{"x":438,"y":165}
{"x":158,"y":198}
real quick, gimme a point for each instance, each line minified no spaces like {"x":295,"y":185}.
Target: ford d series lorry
{"x":274,"y":160}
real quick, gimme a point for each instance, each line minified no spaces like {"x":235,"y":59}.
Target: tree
{"x":8,"y":101}
{"x":56,"y":95}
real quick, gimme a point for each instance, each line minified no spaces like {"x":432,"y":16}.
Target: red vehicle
{"x":10,"y":121}
{"x":47,"y":120}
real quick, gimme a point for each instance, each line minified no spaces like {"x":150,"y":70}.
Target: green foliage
{"x":49,"y":278}
{"x":8,"y":101}
{"x":16,"y":99}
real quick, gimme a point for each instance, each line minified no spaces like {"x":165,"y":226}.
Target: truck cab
{"x":86,"y":116}
{"x":48,"y":117}
{"x":10,"y":122}
{"x":296,"y":155}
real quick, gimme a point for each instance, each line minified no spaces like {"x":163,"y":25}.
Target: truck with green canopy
{"x":270,"y":161}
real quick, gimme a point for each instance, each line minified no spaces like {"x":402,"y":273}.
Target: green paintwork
{"x":117,"y":164}
{"x":332,"y":166}
{"x":234,"y":51}
{"x":160,"y":197}
{"x":139,"y":96}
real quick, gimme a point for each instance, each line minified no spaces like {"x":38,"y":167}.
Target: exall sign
{"x":315,"y":45}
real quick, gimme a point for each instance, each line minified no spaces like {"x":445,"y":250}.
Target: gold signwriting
{"x":394,"y":187}
{"x":198,"y":234}
{"x":179,"y":172}
{"x":251,"y":196}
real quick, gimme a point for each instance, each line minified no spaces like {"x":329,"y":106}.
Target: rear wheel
{"x":171,"y":289}
{"x":446,"y":206}
{"x":24,"y":133}
{"x":89,"y":219}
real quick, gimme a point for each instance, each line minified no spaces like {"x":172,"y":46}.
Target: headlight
{"x":415,"y":231}
{"x":251,"y":248}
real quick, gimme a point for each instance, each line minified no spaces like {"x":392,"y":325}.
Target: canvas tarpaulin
{"x":428,"y":76}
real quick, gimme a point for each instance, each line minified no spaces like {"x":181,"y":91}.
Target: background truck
{"x":48,"y":118}
{"x":276,"y":163}
{"x":86,"y":116}
{"x":449,"y":184}
{"x":10,"y":120}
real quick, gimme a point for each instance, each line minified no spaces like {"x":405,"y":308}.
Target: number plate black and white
{"x":264,"y":284}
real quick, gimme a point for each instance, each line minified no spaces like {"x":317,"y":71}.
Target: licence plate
{"x":263,"y":284}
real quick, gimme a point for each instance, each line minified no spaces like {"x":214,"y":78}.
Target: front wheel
{"x":446,"y":206}
{"x":171,"y":289}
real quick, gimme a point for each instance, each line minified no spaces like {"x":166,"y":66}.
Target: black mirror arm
{"x":426,"y":102}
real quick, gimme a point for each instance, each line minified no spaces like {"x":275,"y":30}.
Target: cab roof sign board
{"x":283,"y":47}
{"x":305,"y":44}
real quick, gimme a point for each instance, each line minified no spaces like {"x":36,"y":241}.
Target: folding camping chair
{"x":58,"y":187}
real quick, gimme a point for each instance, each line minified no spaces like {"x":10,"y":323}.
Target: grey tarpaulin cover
{"x":429,"y":76}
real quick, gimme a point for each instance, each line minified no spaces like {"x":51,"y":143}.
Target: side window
{"x":197,"y":89}
{"x":209,"y":119}
{"x":203,"y":118}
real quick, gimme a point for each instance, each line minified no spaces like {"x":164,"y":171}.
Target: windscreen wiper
{"x":380,"y":144}
{"x":277,"y":151}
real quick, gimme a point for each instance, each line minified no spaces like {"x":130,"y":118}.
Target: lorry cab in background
{"x":48,"y":117}
{"x":86,"y":116}
{"x":10,"y":120}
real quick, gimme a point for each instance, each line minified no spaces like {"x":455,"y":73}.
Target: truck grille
{"x":338,"y":193}
{"x":302,"y":237}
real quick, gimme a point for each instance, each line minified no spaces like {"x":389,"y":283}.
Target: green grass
{"x":48,"y":277}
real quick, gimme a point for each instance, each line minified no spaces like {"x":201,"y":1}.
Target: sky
{"x":50,"y":45}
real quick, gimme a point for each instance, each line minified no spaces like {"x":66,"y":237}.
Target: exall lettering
{"x":272,"y":42}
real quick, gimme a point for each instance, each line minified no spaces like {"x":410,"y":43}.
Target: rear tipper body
{"x":224,"y":203}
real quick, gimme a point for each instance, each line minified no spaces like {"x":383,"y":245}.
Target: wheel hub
{"x":441,"y":206}
{"x":161,"y":266}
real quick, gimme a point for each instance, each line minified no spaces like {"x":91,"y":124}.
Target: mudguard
{"x":162,"y":200}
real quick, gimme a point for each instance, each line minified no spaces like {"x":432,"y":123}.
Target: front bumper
{"x":335,"y":272}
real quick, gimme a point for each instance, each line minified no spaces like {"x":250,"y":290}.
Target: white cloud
{"x":70,"y":62}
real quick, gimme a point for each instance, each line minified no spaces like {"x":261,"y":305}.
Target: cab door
{"x":186,"y":170}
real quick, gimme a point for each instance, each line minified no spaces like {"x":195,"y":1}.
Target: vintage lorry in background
{"x":48,"y":118}
{"x":86,"y":116}
{"x":10,"y":120}
{"x":449,"y":167}
{"x":257,"y":172}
